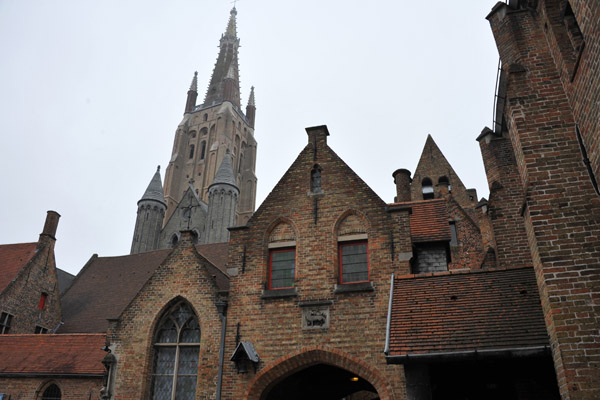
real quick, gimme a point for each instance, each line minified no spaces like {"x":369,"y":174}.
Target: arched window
{"x":191,"y":151}
{"x":282,"y":257}
{"x":353,"y":250}
{"x":444,"y":181}
{"x":205,"y":117}
{"x":427,"y":189}
{"x":52,"y":392}
{"x":176,"y":351}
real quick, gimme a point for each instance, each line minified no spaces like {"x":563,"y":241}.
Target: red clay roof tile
{"x":13,"y":257}
{"x":491,"y":309}
{"x":428,"y":220}
{"x":78,"y":354}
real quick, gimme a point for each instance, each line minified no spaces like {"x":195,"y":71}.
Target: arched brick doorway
{"x":318,"y":374}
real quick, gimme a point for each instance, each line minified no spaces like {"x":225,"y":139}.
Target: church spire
{"x":225,"y":82}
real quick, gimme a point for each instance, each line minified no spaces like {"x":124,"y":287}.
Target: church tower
{"x":223,"y":196}
{"x":212,"y":129}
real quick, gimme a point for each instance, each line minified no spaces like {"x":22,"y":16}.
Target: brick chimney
{"x":402,"y":180}
{"x":51,"y":224}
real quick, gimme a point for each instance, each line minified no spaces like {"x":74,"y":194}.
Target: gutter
{"x":46,"y":374}
{"x":386,"y":350}
{"x":504,"y":353}
{"x":222,"y":307}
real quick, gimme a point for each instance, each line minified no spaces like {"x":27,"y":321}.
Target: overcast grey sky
{"x":91,"y":93}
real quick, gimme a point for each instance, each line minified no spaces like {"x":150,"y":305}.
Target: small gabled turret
{"x":192,"y":94}
{"x":223,"y":196}
{"x":251,"y":108}
{"x":151,"y":211}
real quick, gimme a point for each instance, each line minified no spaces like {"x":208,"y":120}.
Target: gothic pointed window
{"x":203,"y":150}
{"x":176,"y":352}
{"x":52,"y":392}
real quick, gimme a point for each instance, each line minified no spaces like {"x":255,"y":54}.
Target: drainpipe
{"x":388,"y":324}
{"x":222,"y":308}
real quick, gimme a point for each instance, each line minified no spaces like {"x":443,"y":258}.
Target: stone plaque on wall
{"x":315,"y":317}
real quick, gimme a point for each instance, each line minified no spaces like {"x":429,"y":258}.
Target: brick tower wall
{"x":562,"y":213}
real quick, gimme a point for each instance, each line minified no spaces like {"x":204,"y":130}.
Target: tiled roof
{"x":216,"y":253}
{"x":52,"y":354}
{"x":428,"y":220}
{"x":13,"y":257}
{"x":106,"y":285}
{"x":459,"y":312}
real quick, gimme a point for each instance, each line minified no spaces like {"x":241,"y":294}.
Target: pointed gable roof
{"x":154,"y":191}
{"x":13,"y":258}
{"x":225,"y":173}
{"x":106,"y":285}
{"x":433,"y":165}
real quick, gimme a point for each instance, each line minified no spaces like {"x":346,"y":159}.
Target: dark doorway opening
{"x":321,"y":382}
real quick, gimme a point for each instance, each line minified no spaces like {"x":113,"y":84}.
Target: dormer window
{"x":427,"y":189}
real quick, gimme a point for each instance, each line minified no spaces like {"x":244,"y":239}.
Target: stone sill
{"x":278,"y":293}
{"x":354,"y":287}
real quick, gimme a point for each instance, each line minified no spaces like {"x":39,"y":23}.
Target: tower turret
{"x":192,"y":94}
{"x":251,"y":108}
{"x":223,"y":196}
{"x":151,"y":211}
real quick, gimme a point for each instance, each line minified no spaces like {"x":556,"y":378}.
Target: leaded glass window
{"x":176,"y":352}
{"x":354,"y":266}
{"x":282,"y":268}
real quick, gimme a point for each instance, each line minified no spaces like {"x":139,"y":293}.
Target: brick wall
{"x":183,"y":275}
{"x":22,"y":296}
{"x":356,"y":330}
{"x":32,"y":388}
{"x":562,"y":212}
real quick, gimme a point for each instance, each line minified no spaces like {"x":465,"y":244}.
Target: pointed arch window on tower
{"x":427,"y":189}
{"x":191,"y":151}
{"x":176,"y":352}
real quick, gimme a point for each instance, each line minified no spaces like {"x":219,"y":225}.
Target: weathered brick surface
{"x":505,"y":202}
{"x":562,"y":210}
{"x":33,"y":388}
{"x":21,"y":298}
{"x":183,"y":275}
{"x":274,"y":325}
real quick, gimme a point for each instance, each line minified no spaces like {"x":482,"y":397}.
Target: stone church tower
{"x":210,"y":182}
{"x":208,"y":130}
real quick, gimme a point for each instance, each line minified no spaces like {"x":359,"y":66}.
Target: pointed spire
{"x":194,"y":85}
{"x":225,"y":82}
{"x":251,"y":99}
{"x":225,"y":172}
{"x":154,"y":191}
{"x":231,"y":26}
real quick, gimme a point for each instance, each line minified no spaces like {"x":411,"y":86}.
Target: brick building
{"x":329,"y":292}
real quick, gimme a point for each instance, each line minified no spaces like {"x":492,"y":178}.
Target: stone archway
{"x":319,"y":374}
